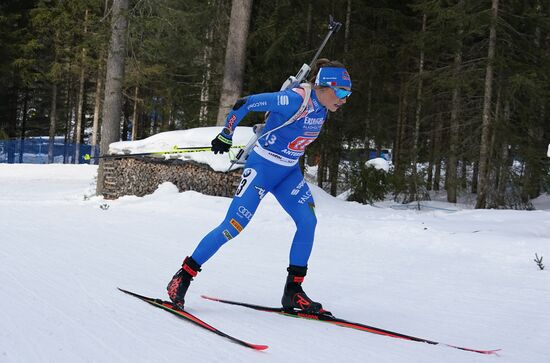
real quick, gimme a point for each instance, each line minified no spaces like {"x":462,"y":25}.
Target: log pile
{"x":142,"y":176}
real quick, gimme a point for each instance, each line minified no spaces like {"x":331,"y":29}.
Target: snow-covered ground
{"x":465,"y":278}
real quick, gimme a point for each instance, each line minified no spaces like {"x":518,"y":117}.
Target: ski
{"x":327,"y":318}
{"x":168,"y":306}
{"x":161,"y":154}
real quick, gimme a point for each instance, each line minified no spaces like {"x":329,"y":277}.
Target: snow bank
{"x":379,"y":163}
{"x":197,"y":137}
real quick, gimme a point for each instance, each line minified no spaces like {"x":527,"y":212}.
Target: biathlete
{"x":272,"y":167}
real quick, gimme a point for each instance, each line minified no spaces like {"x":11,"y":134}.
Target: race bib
{"x":248,"y":176}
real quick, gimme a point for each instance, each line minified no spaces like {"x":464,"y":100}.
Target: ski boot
{"x":177,"y":287}
{"x":294,"y":297}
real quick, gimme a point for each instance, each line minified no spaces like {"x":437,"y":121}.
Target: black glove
{"x":222,"y":143}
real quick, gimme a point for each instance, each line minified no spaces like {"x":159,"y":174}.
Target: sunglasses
{"x":340,"y":92}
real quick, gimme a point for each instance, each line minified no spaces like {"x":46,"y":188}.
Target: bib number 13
{"x":248,"y":175}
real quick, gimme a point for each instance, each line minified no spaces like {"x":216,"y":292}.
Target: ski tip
{"x":493,"y":351}
{"x":481,"y":351}
{"x":210,"y":298}
{"x":126,"y":291}
{"x":133,"y":294}
{"x":258,"y":346}
{"x":488,"y":352}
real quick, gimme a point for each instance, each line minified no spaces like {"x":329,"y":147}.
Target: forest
{"x":457,"y":91}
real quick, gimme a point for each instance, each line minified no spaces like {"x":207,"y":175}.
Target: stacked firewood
{"x":142,"y":176}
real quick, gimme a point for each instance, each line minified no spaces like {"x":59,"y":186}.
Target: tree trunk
{"x":112,"y":105}
{"x":165,"y":114}
{"x":23,"y":125}
{"x":368,"y":113}
{"x":80,"y":111}
{"x":336,"y":145}
{"x":68,"y":117}
{"x":400,"y":128}
{"x":205,"y":87}
{"x":464,"y":173}
{"x":492,"y":176}
{"x":79,"y":116}
{"x":534,"y":168}
{"x":486,"y":124}
{"x":335,"y":151}
{"x":135,"y":121}
{"x":206,"y":76}
{"x":431,"y":162}
{"x":437,"y":153}
{"x":98,"y":96}
{"x":125,"y":119}
{"x":418,"y":113}
{"x":153,"y":119}
{"x":321,"y":168}
{"x":500,"y":199}
{"x":170,"y":118}
{"x":234,"y":57}
{"x":475,"y":178}
{"x":504,"y":161}
{"x":308,"y":42}
{"x":451,"y":174}
{"x":309,"y":25}
{"x":419,"y":100}
{"x":53,"y":121}
{"x":97,"y":108}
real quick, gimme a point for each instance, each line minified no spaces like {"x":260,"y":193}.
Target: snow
{"x":379,"y":164}
{"x":464,"y":278}
{"x":197,"y":137}
{"x":542,"y":202}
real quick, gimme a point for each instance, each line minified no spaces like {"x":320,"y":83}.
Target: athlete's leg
{"x":258,"y":178}
{"x":295,"y":197}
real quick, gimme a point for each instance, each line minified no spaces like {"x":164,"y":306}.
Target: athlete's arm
{"x":284,"y":102}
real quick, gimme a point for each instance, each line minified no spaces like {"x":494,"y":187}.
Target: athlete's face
{"x":328,"y":98}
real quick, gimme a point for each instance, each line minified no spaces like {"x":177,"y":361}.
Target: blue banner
{"x":36,"y":150}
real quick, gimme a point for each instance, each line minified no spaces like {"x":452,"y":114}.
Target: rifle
{"x":291,"y":82}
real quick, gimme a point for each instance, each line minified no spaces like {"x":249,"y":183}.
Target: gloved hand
{"x":222,"y":143}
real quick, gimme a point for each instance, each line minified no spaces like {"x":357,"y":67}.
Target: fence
{"x":35,"y":151}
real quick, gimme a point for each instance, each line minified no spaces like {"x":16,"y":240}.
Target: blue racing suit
{"x":273,"y":167}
